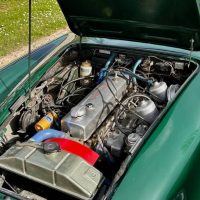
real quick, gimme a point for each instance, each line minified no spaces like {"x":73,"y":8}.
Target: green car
{"x":111,"y":113}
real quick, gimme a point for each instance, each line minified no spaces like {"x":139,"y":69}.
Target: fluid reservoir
{"x":131,"y":140}
{"x":46,"y":121}
{"x":147,"y":110}
{"x":159,"y":89}
{"x":85,"y":70}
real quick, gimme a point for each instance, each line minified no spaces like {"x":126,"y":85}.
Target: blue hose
{"x":46,"y":134}
{"x":135,"y":66}
{"x":103,"y":71}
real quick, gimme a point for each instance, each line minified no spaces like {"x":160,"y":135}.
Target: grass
{"x":46,"y":19}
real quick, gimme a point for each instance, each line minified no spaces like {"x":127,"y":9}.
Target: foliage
{"x":46,"y":19}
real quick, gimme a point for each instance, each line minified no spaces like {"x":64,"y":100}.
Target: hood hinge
{"x":191,"y":50}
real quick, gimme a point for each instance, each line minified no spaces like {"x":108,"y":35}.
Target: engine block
{"x":88,"y":115}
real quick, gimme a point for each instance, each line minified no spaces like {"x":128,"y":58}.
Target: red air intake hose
{"x":76,"y":148}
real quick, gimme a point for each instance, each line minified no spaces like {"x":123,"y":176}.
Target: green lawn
{"x":47,"y":18}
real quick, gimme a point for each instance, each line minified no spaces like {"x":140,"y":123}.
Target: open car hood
{"x":166,"y":22}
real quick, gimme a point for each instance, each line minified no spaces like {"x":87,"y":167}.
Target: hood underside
{"x":166,"y":22}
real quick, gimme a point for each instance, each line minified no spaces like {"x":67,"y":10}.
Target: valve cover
{"x":88,"y":115}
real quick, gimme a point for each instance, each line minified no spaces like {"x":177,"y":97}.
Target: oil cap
{"x":77,"y":112}
{"x":51,"y":147}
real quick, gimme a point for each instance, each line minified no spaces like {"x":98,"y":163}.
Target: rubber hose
{"x":47,"y":134}
{"x":135,"y":66}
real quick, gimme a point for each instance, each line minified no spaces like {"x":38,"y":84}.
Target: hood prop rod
{"x":29,"y":47}
{"x":191,"y":50}
{"x":80,"y":46}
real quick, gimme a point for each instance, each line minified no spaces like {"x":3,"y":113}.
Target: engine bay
{"x":90,"y":111}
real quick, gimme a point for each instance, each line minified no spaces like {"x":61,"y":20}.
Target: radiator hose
{"x":104,"y":70}
{"x":134,"y":68}
{"x":47,"y":134}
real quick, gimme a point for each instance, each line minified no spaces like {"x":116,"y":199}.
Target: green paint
{"x":15,"y":72}
{"x":168,"y":22}
{"x":168,"y":164}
